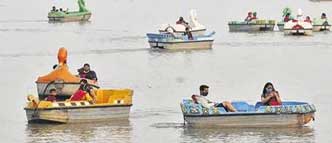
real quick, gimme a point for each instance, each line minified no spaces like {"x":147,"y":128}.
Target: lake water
{"x":115,"y":45}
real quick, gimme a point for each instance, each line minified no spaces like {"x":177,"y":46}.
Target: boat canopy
{"x":61,"y":72}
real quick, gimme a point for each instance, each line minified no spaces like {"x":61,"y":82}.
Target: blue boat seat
{"x":242,"y":106}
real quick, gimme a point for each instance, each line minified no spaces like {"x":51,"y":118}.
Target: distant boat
{"x":171,"y":42}
{"x":253,"y":26}
{"x":57,"y":15}
{"x":289,"y":114}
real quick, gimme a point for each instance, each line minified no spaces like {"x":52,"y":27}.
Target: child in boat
{"x":204,"y":91}
{"x":52,"y":96}
{"x":270,"y":96}
{"x":84,"y":88}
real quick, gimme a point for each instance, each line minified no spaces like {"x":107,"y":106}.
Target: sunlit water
{"x":114,"y":43}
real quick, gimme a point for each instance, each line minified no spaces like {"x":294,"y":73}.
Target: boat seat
{"x":242,"y":106}
{"x":196,"y":108}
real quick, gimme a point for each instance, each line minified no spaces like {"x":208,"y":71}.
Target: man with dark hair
{"x":85,"y":72}
{"x":204,"y":91}
{"x":52,"y":96}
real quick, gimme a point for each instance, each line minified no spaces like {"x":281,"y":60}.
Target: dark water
{"x":114,"y":44}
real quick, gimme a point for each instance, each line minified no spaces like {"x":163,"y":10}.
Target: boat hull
{"x":78,"y":114}
{"x":281,"y":27}
{"x":83,"y":17}
{"x":318,"y":28}
{"x":250,"y":27}
{"x":201,"y":44}
{"x":305,"y":32}
{"x":253,"y":120}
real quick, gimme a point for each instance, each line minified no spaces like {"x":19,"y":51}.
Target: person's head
{"x":204,"y":90}
{"x":323,"y":15}
{"x":60,"y":9}
{"x":86,"y":67}
{"x":249,"y":13}
{"x":181,"y":18}
{"x":53,"y":8}
{"x":53,"y":92}
{"x":288,"y":14}
{"x":255,"y":14}
{"x":55,"y":66}
{"x":308,"y":17}
{"x":268,"y":87}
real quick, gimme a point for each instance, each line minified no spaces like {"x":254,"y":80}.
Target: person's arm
{"x":266,"y":99}
{"x":94,"y":76}
{"x":278,"y":97}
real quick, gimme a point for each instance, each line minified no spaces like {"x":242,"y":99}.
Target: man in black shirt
{"x":85,"y":72}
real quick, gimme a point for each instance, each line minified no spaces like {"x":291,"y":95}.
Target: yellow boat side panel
{"x":114,"y":96}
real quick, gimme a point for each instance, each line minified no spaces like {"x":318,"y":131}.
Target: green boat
{"x":83,"y":14}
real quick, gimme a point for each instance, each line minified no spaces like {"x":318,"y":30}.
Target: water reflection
{"x":301,"y":134}
{"x":83,"y":132}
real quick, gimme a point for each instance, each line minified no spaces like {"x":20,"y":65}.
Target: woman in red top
{"x":270,"y":96}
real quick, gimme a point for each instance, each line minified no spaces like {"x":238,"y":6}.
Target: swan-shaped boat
{"x":298,"y":26}
{"x":196,"y":28}
{"x":83,"y":14}
{"x":109,"y":104}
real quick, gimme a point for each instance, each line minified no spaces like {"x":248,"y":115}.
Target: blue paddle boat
{"x":289,"y":114}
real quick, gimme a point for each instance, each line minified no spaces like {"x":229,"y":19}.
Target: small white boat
{"x":298,"y":26}
{"x":254,"y":26}
{"x":289,"y":114}
{"x":196,"y":28}
{"x":171,"y":42}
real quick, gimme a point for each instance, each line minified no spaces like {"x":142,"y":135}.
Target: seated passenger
{"x":60,"y":10}
{"x":204,"y":91}
{"x":53,"y":9}
{"x":52,"y":96}
{"x":189,"y":34}
{"x":82,"y":90}
{"x":270,"y":96}
{"x":254,"y":17}
{"x":287,"y":17}
{"x":182,"y":21}
{"x":249,"y":17}
{"x":307,"y":19}
{"x":85,"y":72}
{"x":323,"y":16}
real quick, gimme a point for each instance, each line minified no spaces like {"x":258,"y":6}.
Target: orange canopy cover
{"x":61,"y":72}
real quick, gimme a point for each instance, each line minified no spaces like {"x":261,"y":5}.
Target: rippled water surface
{"x":114,"y":43}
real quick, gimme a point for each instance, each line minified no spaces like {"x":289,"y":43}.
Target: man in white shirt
{"x":204,"y":91}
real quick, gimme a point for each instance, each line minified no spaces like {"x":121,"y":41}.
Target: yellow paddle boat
{"x":107,"y":104}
